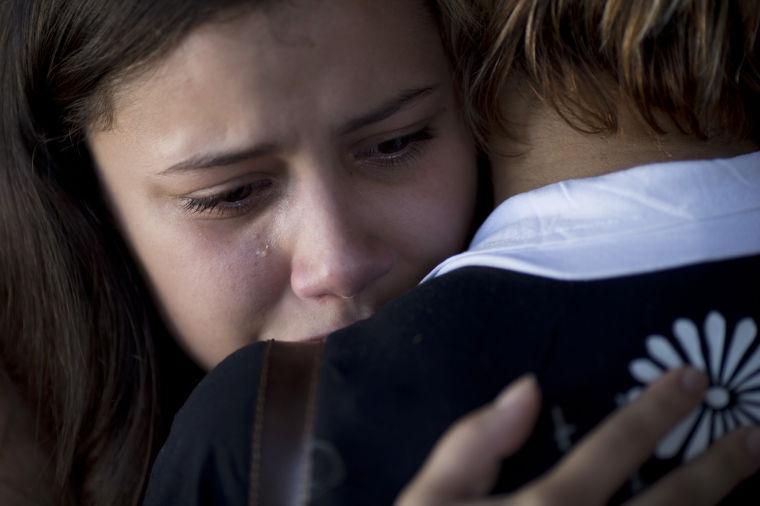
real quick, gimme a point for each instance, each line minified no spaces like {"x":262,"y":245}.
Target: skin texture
{"x":546,"y":149}
{"x":322,"y":219}
{"x":463,"y":466}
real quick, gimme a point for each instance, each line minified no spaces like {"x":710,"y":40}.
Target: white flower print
{"x":733,"y":398}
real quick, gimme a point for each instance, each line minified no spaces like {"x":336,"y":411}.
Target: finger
{"x":465,"y":462}
{"x":623,"y":442}
{"x":710,"y":477}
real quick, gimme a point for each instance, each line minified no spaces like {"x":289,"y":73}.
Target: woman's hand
{"x":463,"y":466}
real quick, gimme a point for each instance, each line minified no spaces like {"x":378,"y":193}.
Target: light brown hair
{"x":691,"y":64}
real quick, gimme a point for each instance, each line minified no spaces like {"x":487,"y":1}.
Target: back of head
{"x":688,"y":65}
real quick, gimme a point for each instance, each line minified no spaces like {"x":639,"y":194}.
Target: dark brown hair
{"x":692,"y":64}
{"x":79,"y":333}
{"x":81,"y":341}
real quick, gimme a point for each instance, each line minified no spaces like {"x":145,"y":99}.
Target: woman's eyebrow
{"x":383,"y":111}
{"x":387,"y":109}
{"x":221,"y":159}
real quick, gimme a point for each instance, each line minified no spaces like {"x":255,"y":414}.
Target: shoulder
{"x":206,"y":458}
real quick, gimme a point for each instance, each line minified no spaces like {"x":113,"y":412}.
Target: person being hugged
{"x":623,"y":141}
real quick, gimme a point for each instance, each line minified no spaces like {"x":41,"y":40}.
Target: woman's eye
{"x":237,"y":194}
{"x":228,"y":203}
{"x":396,"y":151}
{"x":394,"y":145}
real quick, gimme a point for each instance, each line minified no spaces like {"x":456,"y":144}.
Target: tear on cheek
{"x":262,"y":252}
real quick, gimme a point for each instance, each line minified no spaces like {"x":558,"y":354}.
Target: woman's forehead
{"x":306,"y":39}
{"x":261,"y":75}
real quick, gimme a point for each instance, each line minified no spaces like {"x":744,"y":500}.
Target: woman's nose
{"x":338,"y":254}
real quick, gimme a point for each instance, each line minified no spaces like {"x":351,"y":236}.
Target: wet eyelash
{"x":220,"y":202}
{"x":201,"y":204}
{"x":409,"y":154}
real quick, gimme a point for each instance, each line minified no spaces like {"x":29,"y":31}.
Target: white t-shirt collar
{"x":637,"y":220}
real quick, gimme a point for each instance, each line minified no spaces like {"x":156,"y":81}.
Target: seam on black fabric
{"x":309,"y":426}
{"x":258,"y":427}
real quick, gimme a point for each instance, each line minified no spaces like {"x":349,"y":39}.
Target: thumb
{"x":465,"y":462}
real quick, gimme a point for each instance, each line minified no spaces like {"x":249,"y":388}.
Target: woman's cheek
{"x":214,"y":292}
{"x":448,"y":205}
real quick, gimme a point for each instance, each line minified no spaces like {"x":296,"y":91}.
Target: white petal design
{"x":645,"y":370}
{"x":750,"y":368}
{"x":719,"y":426}
{"x":633,"y":394}
{"x":673,"y":442}
{"x":753,"y":382}
{"x":743,"y":337}
{"x":701,"y":437}
{"x":688,"y":335}
{"x":740,"y":386}
{"x":753,"y":396}
{"x":753,"y":411}
{"x":744,"y":420}
{"x":660,"y":349}
{"x":727,"y":419}
{"x":731,"y":422}
{"x":715,"y":332}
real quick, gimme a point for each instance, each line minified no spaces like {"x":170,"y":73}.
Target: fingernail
{"x":693,"y":380}
{"x":753,"y":443}
{"x":515,"y":393}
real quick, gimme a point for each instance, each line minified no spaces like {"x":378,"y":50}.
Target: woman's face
{"x":285,"y":173}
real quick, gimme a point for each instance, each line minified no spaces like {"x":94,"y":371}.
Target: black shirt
{"x":388,"y":387}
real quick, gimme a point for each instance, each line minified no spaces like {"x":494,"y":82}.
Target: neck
{"x":547,"y":150}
